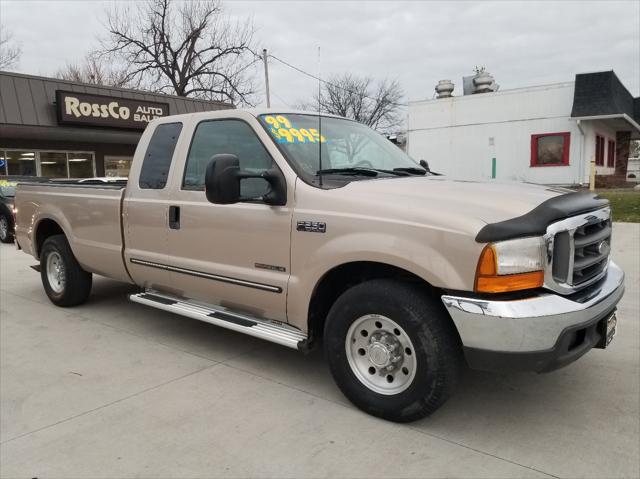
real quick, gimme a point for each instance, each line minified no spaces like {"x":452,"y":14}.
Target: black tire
{"x":6,"y":235}
{"x":77,"y":282}
{"x":438,"y":353}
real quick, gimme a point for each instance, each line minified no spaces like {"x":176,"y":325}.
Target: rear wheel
{"x":64,"y":280}
{"x":392,"y":349}
{"x":6,"y":235}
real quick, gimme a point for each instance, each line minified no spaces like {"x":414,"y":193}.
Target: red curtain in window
{"x":611,"y":154}
{"x":599,"y":150}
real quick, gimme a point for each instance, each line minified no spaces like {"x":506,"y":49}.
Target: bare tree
{"x":376,"y":104}
{"x":10,"y":51}
{"x":189,"y":49}
{"x":93,"y":69}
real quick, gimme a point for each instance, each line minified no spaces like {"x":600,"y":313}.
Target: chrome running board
{"x":276,"y":332}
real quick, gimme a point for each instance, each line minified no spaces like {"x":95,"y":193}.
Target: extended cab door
{"x":146,"y":207}
{"x":234,"y":255}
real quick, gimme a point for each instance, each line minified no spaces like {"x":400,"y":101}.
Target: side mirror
{"x":222,"y":182}
{"x":425,"y":165}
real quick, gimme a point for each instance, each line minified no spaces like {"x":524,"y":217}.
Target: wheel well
{"x":45,"y":229}
{"x":341,"y":278}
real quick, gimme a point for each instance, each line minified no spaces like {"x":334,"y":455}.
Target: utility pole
{"x":266,"y":76}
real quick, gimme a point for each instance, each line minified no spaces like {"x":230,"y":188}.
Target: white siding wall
{"x":454,"y":135}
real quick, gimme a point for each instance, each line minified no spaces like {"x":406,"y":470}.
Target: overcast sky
{"x":417,"y":43}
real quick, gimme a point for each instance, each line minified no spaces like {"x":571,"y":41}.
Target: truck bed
{"x":89,"y":214}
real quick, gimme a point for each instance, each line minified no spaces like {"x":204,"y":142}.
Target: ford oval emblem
{"x":603,"y":248}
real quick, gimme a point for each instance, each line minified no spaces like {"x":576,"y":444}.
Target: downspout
{"x":581,"y":165}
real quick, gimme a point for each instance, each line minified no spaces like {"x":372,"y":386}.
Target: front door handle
{"x":174,"y":217}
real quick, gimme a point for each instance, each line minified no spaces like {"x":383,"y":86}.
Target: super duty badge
{"x":312,"y":226}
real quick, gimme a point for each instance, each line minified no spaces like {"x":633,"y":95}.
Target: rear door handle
{"x":174,"y":217}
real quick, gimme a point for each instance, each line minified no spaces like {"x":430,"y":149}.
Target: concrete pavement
{"x":114,"y":389}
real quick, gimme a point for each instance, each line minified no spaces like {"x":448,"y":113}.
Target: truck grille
{"x":581,"y":247}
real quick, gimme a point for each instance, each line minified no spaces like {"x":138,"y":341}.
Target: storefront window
{"x":53,"y":164}
{"x":50,"y":164}
{"x":80,"y":165}
{"x":117,"y":166}
{"x":22,"y":163}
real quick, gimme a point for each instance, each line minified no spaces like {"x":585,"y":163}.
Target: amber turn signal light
{"x":488,"y":280}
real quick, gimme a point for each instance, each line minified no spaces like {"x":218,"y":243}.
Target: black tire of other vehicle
{"x":438,"y":351}
{"x":77,"y":282}
{"x":6,"y":235}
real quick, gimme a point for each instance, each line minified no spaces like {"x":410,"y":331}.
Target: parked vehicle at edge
{"x":315,"y":233}
{"x":7,"y":210}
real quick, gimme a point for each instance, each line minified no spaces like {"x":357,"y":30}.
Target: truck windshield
{"x":348,"y":148}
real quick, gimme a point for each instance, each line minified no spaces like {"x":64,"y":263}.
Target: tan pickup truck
{"x":307,"y":230}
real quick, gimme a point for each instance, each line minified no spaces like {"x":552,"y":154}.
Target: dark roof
{"x":602,"y":93}
{"x":29,"y":99}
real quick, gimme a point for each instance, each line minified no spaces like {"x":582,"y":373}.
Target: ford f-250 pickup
{"x":306,"y":230}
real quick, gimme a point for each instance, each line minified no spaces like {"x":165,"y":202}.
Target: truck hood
{"x":487,"y":201}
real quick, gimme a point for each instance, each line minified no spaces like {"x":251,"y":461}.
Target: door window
{"x":157,"y":159}
{"x":231,"y":137}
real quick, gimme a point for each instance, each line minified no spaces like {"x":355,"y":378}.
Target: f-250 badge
{"x":312,"y":226}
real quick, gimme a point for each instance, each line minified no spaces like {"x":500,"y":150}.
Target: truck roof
{"x":235,"y":112}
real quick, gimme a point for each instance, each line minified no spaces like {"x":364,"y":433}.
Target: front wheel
{"x":64,"y":280}
{"x":392,"y":349}
{"x":6,"y":235}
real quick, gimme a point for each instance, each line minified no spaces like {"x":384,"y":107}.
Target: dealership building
{"x":62,"y":129}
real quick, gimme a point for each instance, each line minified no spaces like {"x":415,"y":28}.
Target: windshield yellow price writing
{"x":302,"y":135}
{"x":278,"y":121}
{"x":284,"y":132}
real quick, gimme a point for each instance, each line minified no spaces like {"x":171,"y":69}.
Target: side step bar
{"x":273,"y":331}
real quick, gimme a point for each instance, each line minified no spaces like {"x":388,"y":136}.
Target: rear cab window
{"x":157,"y":159}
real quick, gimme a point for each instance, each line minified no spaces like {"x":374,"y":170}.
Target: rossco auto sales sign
{"x":99,"y":110}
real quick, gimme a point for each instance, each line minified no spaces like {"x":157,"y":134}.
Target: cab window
{"x":157,"y":159}
{"x":234,"y":137}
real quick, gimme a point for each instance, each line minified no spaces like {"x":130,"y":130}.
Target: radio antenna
{"x":319,"y":124}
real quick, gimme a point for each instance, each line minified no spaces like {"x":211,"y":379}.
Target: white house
{"x":543,"y":134}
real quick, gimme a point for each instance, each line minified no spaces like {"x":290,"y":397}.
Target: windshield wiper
{"x":356,"y":170}
{"x":412,"y":170}
{"x":347,"y":171}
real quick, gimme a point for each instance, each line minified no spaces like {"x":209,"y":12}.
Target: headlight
{"x":511,"y":266}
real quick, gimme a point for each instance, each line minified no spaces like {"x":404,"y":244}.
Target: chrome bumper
{"x":532,"y":324}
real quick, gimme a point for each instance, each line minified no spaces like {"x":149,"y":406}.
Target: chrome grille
{"x":591,"y":246}
{"x":578,"y":251}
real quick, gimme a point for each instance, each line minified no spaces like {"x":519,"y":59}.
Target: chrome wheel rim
{"x":55,"y":272}
{"x":4,"y":227}
{"x":380,"y":354}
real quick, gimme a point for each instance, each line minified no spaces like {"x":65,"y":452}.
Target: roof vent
{"x":481,"y":82}
{"x":444,"y":88}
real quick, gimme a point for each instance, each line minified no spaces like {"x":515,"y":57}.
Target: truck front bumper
{"x":539,"y":334}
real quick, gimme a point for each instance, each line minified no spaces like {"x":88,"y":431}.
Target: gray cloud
{"x":418,"y":43}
